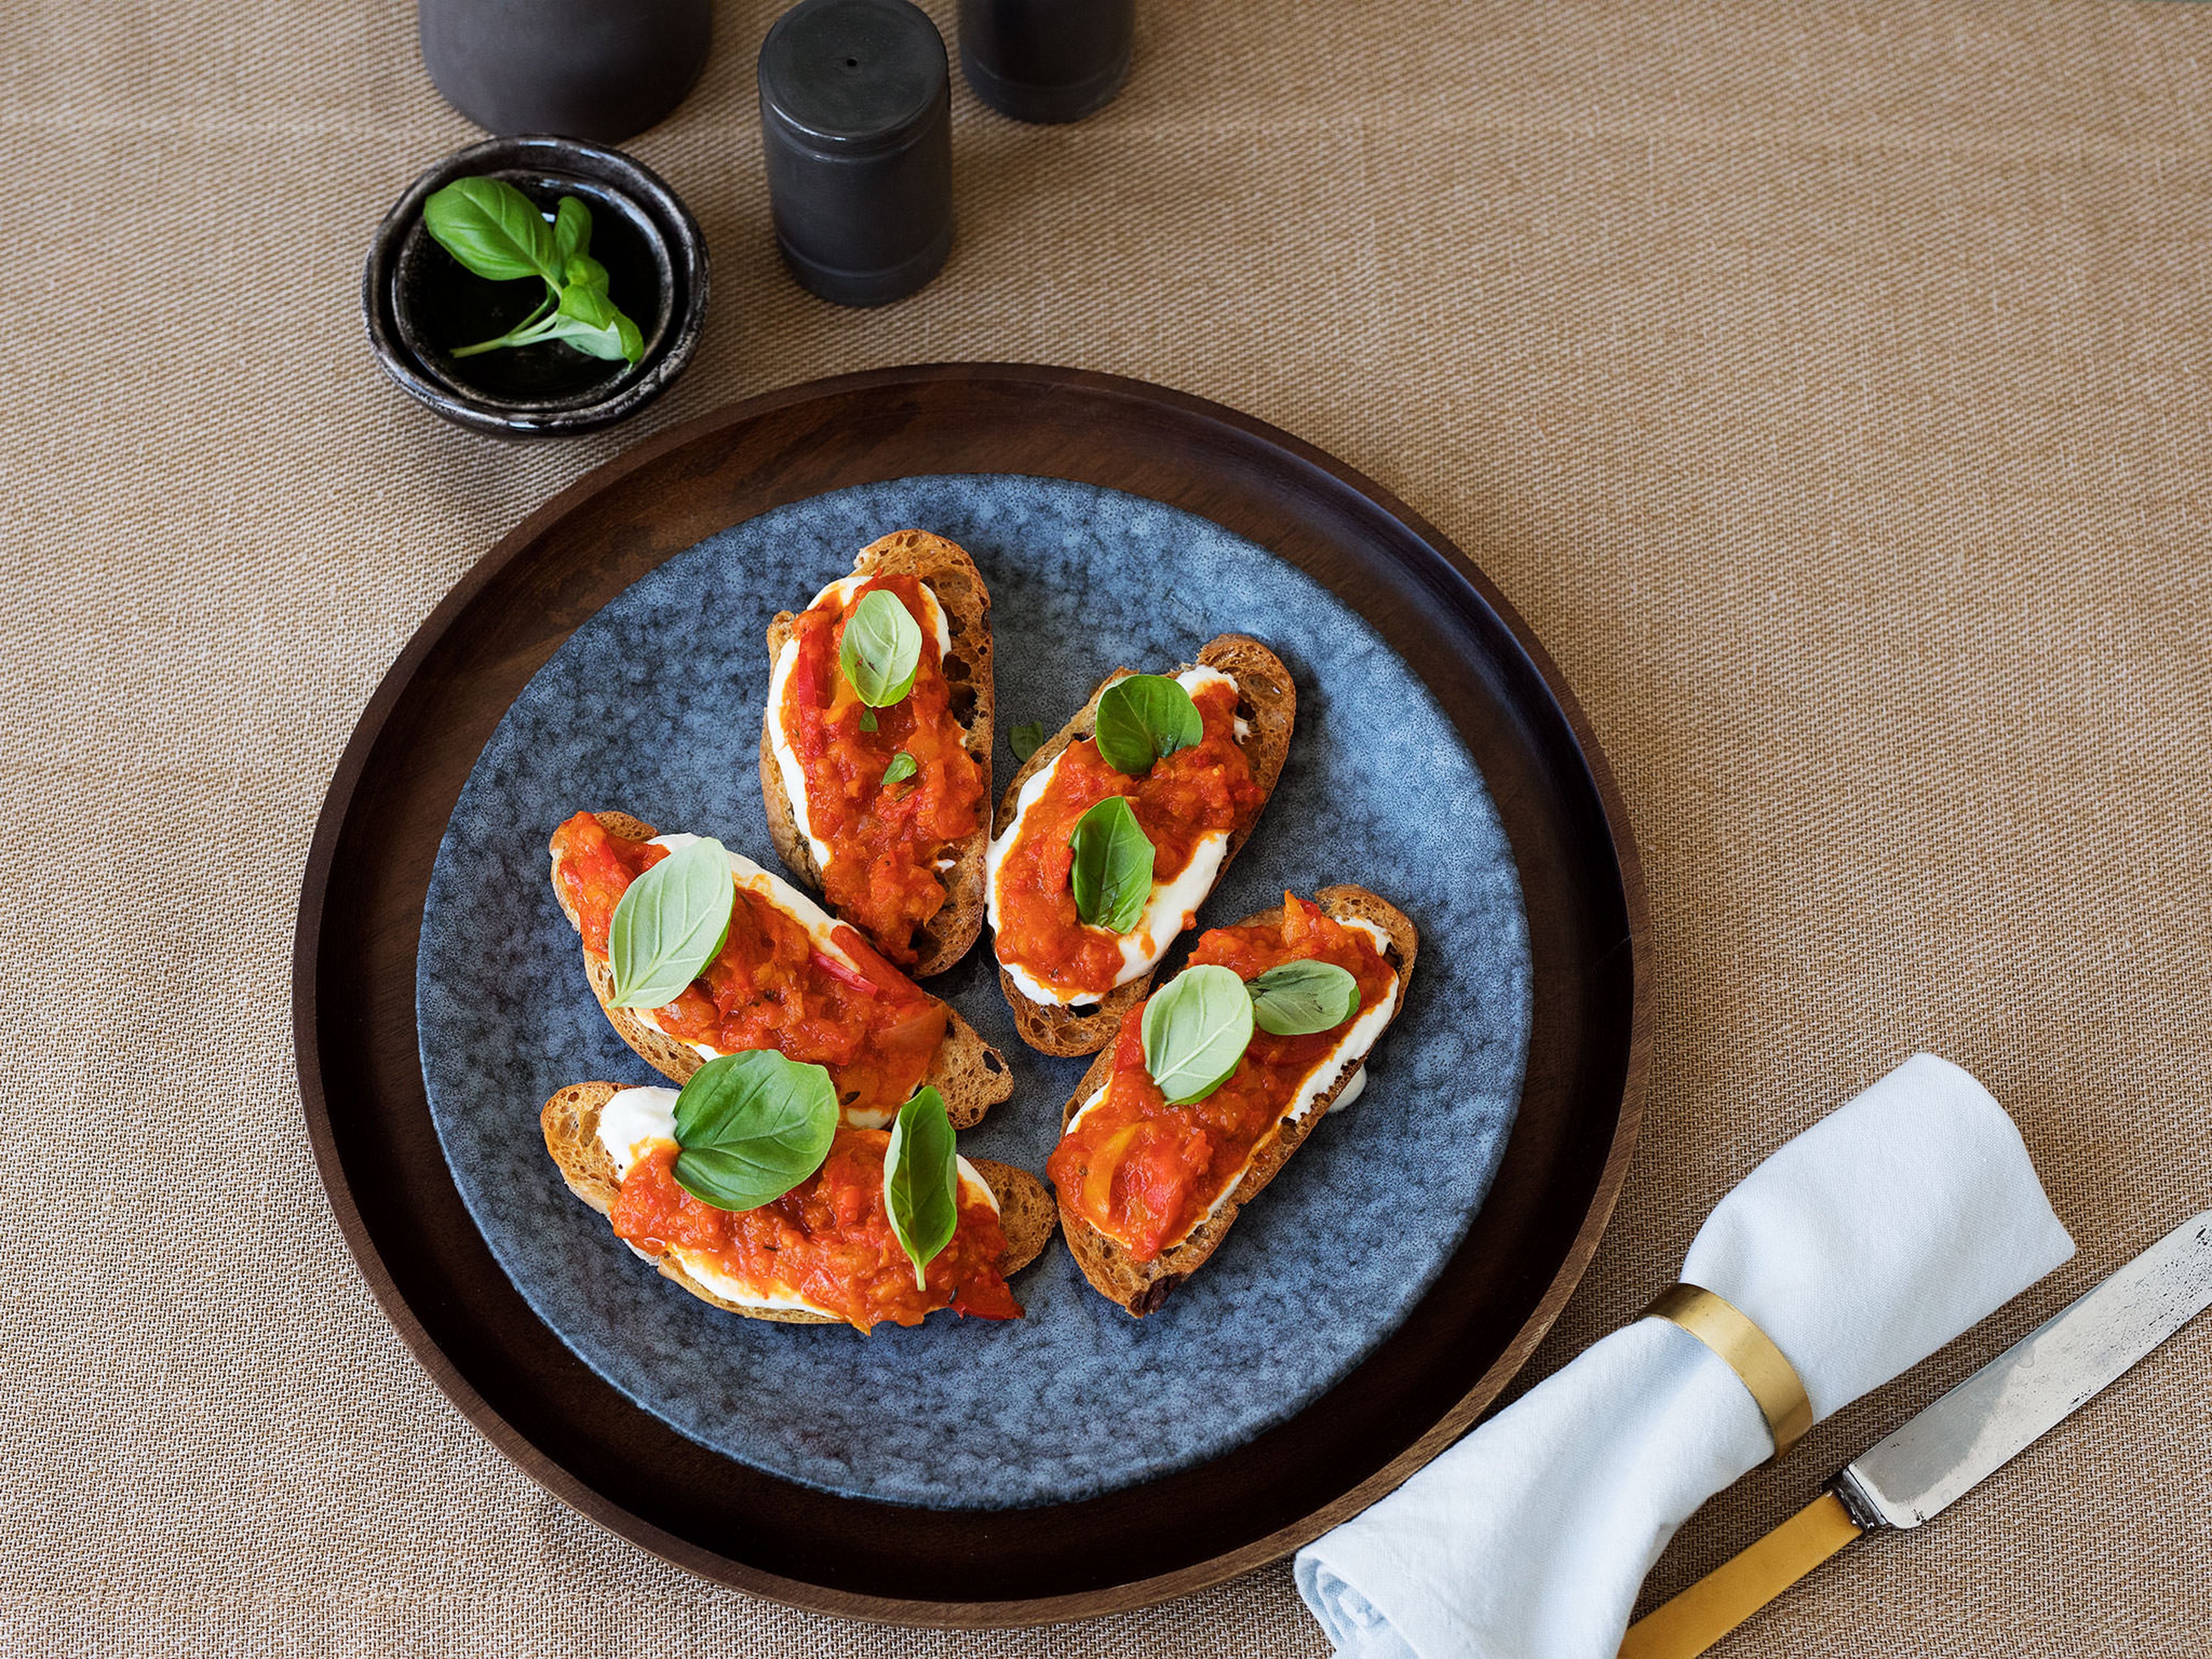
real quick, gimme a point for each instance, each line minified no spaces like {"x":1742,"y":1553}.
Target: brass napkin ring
{"x":1748,"y":1351}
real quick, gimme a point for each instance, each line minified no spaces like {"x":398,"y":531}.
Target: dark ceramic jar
{"x":1047,"y":60}
{"x":589,"y":69}
{"x":419,"y":303}
{"x":856,"y":133}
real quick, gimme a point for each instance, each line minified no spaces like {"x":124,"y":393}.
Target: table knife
{"x":1922,"y":1468}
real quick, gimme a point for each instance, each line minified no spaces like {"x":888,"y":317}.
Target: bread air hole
{"x":992,"y":1063}
{"x":960,"y":694}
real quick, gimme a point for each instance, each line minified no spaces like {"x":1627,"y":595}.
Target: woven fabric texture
{"x":1826,"y":383}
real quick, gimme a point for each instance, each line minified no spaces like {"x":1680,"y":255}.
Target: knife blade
{"x":1920,"y":1468}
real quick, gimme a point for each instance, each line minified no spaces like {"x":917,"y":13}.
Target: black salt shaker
{"x":855,"y":105}
{"x":1047,"y":60}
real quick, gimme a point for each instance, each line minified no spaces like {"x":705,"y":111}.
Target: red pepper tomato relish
{"x":883,"y":848}
{"x":1187,"y":805}
{"x":1145,"y":1172}
{"x":787,"y":977}
{"x":826,"y":1246}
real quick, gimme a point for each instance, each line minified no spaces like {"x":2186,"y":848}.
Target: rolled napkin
{"x":1904,"y":1217}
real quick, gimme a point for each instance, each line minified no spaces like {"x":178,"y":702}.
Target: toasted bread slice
{"x":1141,"y":1286}
{"x":571,"y":1123}
{"x":971,"y":1075}
{"x":952,"y":576}
{"x":1269,"y":705}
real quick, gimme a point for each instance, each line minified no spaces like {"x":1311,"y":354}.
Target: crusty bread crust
{"x":1269,"y":703}
{"x":1141,"y":1286}
{"x":971,"y":1075}
{"x":952,"y":576}
{"x":570,"y":1121}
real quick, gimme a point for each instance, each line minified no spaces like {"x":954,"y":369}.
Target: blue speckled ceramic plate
{"x":653,"y":706}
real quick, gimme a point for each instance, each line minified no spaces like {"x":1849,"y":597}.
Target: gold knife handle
{"x":1733,"y":1591}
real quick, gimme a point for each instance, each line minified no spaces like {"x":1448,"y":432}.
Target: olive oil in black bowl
{"x":421,"y":304}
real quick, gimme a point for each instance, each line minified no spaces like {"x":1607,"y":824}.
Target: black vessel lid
{"x":852,"y":76}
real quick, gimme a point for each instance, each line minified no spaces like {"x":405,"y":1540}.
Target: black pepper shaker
{"x":1047,"y":60}
{"x":856,"y":121}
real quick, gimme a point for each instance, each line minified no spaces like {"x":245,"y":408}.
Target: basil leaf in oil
{"x":670,"y":924}
{"x":582,"y":270}
{"x":1141,"y":719}
{"x":1195,"y":1031}
{"x":572,"y":231}
{"x":867,"y":719}
{"x":922,"y":1180}
{"x":498,"y":232}
{"x":587,"y":303}
{"x":1296,"y":998}
{"x":1111,"y":876}
{"x":901,"y":769}
{"x":1026,"y":739}
{"x":751,"y":1127}
{"x":619,"y":339}
{"x":494,"y":229}
{"x":881,"y":651}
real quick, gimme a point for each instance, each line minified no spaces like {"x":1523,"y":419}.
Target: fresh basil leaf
{"x":901,"y":769}
{"x":670,"y":924}
{"x":584,"y":272}
{"x":1026,"y":739}
{"x":1144,"y":717}
{"x":881,"y":652}
{"x":593,"y":342}
{"x":588,"y":305}
{"x":922,"y":1180}
{"x":493,"y":228}
{"x":1296,"y":998}
{"x":1195,"y":1031}
{"x":632,"y":342}
{"x":572,"y":231}
{"x":1111,"y":876}
{"x":867,"y":718}
{"x":751,"y":1127}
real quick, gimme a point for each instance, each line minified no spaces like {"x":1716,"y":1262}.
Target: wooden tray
{"x":360,"y":914}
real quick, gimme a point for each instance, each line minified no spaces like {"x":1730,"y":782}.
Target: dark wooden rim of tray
{"x":360,"y":912}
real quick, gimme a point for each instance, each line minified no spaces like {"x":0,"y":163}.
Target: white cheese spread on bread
{"x":1172,"y":906}
{"x":1349,"y":1053}
{"x":634,"y":1121}
{"x":786,"y":760}
{"x":821,"y":928}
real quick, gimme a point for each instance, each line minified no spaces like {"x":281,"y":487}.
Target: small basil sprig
{"x":1111,"y":876}
{"x":1298,"y":998}
{"x":922,"y":1180}
{"x":1143,"y":718}
{"x":670,"y":924}
{"x":751,"y":1127}
{"x":881,"y":652}
{"x":498,"y":232}
{"x":1195,"y":1031}
{"x":901,"y":769}
{"x":1026,"y":739}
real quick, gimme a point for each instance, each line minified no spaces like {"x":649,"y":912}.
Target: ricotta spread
{"x":1172,"y":908}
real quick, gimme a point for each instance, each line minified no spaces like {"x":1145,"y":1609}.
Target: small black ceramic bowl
{"x":420,"y":303}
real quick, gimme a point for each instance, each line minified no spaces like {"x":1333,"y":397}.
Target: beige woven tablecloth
{"x":1827,"y":384}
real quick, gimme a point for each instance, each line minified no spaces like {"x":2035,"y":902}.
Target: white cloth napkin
{"x":1899,"y":1220}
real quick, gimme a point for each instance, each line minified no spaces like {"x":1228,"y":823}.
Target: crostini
{"x":1147,"y":1187}
{"x":875,"y":752}
{"x":824,"y":1252}
{"x":1192,"y":758}
{"x":785,"y":977}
